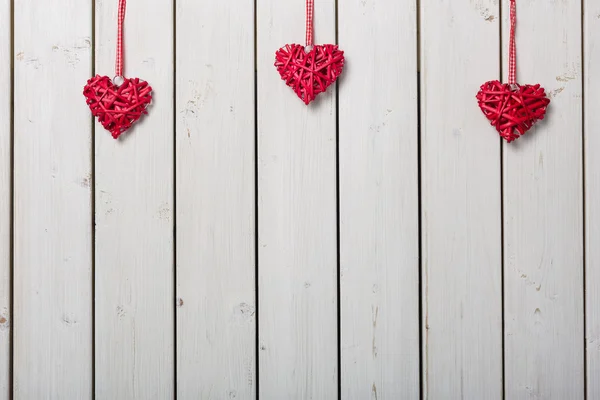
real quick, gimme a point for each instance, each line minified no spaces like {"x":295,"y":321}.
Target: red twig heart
{"x":512,"y":110}
{"x":309,"y":73}
{"x":117,"y":107}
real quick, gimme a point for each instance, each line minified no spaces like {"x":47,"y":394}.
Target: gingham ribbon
{"x":310,"y":9}
{"x":119,"y":60}
{"x":512,"y":56}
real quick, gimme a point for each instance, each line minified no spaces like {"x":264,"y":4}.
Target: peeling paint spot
{"x":373,"y":392}
{"x":34,"y":62}
{"x":552,"y":94}
{"x":565,"y":78}
{"x":69,"y":320}
{"x":164,"y":212}
{"x":244,"y":311}
{"x":179,"y":302}
{"x":20,"y":56}
{"x":86,"y":181}
{"x":4,"y":322}
{"x":121,"y":312}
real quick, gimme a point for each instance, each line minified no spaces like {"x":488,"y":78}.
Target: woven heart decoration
{"x":309,"y":72}
{"x":117,"y":107}
{"x":512,"y":109}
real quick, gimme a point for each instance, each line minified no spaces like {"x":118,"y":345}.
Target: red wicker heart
{"x":512,"y":110}
{"x":309,"y":73}
{"x":117,"y":107}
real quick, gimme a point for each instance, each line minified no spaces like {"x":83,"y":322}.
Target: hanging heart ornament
{"x":117,"y":107}
{"x":309,"y":71}
{"x":512,"y":109}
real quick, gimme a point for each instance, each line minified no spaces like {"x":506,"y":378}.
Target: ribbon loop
{"x":310,"y":12}
{"x":119,"y":56}
{"x":512,"y":50}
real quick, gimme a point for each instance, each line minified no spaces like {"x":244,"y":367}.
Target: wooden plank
{"x":379,"y":209}
{"x":216,"y":325}
{"x":52,"y":214}
{"x":461,"y":203}
{"x":296,"y":217}
{"x":134,"y":214}
{"x":543,"y":253}
{"x":5,"y":197}
{"x":592,"y":191}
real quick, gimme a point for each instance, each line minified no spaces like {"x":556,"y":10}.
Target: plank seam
{"x":11,"y":334}
{"x":174,"y":299}
{"x":583,"y":208}
{"x":93,"y":216}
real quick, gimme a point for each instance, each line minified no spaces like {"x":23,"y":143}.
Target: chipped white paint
{"x":460,"y":203}
{"x":134,"y":214}
{"x":379,"y":201}
{"x":592,"y":191}
{"x":296,"y":217}
{"x":5,"y":198}
{"x":543,"y":201}
{"x":216,"y":316}
{"x":52,"y":214}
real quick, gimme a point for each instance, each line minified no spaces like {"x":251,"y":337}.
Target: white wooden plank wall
{"x":591,"y":68}
{"x":379,"y":201}
{"x":52,"y":200}
{"x":134,"y":193}
{"x":543,"y":209}
{"x":460,"y":203}
{"x":5,"y":197}
{"x":297,"y":228}
{"x":136,"y":262}
{"x":216,"y":307}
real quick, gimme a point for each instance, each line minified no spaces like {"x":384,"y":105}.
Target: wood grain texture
{"x":296,"y":217}
{"x":592,"y":191}
{"x":543,"y":231}
{"x":52,"y":201}
{"x":216,"y":318}
{"x":461,"y":203}
{"x":379,"y":201}
{"x":5,"y":197}
{"x":134,"y":191}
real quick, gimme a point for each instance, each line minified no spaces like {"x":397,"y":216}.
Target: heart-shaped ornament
{"x":309,"y":71}
{"x":117,"y":106}
{"x":512,"y":109}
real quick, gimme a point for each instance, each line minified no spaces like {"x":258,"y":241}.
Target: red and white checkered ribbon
{"x":310,"y":9}
{"x":119,"y":60}
{"x":512,"y":56}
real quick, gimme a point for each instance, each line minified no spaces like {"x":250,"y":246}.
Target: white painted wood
{"x":592,"y":191}
{"x":5,"y":197}
{"x":134,"y":214}
{"x":296,"y":217}
{"x":461,"y":203}
{"x":543,"y":231}
{"x":52,"y":200}
{"x":379,"y":201}
{"x":216,"y":318}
